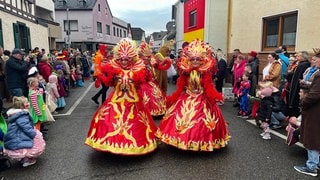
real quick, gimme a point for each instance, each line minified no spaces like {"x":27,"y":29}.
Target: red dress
{"x":122,"y":125}
{"x":153,"y":97}
{"x":193,"y":120}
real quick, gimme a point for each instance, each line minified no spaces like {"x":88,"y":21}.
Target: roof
{"x":75,"y":4}
{"x":137,"y":33}
{"x":157,"y":36}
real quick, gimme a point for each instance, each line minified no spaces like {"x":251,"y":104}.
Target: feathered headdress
{"x":197,"y":49}
{"x":125,"y":49}
{"x":144,"y":49}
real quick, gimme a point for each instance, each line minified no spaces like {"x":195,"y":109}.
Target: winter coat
{"x":310,"y":126}
{"x":265,"y":109}
{"x":20,"y":132}
{"x":238,"y":70}
{"x":45,"y":70}
{"x":16,"y":72}
{"x":254,"y":63}
{"x":274,"y":74}
{"x":222,"y":69}
{"x":52,"y":87}
{"x":295,"y":84}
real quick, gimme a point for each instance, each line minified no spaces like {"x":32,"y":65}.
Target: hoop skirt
{"x":194,"y":123}
{"x":153,"y":98}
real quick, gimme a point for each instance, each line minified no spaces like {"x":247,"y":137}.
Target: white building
{"x":26,"y":24}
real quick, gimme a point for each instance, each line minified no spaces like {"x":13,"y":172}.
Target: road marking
{"x":252,"y":121}
{"x":73,"y":107}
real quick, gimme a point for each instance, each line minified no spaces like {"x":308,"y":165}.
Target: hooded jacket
{"x":20,"y":132}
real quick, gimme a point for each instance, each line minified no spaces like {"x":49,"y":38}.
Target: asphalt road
{"x":247,"y":156}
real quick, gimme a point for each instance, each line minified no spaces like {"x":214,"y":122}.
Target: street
{"x":247,"y":156}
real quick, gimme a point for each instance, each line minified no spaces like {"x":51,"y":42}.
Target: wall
{"x":179,"y":25}
{"x":246,"y":23}
{"x":38,"y":33}
{"x":216,"y":23}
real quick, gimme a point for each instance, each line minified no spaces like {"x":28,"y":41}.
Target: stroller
{"x":4,"y":161}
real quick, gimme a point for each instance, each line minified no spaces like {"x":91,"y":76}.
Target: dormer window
{"x":83,"y":2}
{"x":62,"y":3}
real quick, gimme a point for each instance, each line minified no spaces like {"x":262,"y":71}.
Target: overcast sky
{"x":149,"y":15}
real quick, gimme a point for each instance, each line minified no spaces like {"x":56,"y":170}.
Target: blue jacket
{"x":284,"y":62}
{"x":20,"y":132}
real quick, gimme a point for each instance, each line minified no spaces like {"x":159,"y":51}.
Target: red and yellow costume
{"x":153,"y":97}
{"x":122,"y":125}
{"x":193,"y":121}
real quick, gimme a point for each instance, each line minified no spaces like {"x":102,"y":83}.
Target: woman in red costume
{"x":153,"y":97}
{"x":122,"y":125}
{"x":193,"y":120}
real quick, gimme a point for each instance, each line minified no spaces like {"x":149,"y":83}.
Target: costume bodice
{"x":194,"y":86}
{"x":125,"y":89}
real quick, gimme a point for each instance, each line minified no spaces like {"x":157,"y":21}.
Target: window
{"x":99,"y":27}
{"x":107,"y":29}
{"x":280,"y":30}
{"x":107,"y":11}
{"x":192,"y":18}
{"x":73,"y":25}
{"x":99,"y":7}
{"x":1,"y":36}
{"x":117,"y":32}
{"x":22,"y":38}
{"x":124,"y":33}
{"x":120,"y":32}
{"x":114,"y":31}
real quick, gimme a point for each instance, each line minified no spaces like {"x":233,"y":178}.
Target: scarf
{"x":312,"y":70}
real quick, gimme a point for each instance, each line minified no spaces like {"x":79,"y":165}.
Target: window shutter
{"x":16,"y":34}
{"x":28,"y":47}
{"x":1,"y":34}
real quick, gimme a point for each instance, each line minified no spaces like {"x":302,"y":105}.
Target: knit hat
{"x":59,"y":66}
{"x":253,"y":53}
{"x":17,"y":51}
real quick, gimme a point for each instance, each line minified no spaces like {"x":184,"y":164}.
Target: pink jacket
{"x":52,"y":87}
{"x":238,"y":70}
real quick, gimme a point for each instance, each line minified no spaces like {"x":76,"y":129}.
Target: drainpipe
{"x":229,"y":25}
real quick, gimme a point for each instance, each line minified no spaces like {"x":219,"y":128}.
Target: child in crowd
{"x":22,"y":142}
{"x":243,"y":95}
{"x":33,"y":72}
{"x":265,"y":110}
{"x":73,"y":77}
{"x":294,"y":124}
{"x":52,"y":89}
{"x":61,"y":103}
{"x":79,"y":76}
{"x":35,"y":97}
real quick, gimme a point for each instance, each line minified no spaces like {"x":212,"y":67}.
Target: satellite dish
{"x":170,"y":25}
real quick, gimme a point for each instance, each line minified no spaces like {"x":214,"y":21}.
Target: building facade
{"x":251,"y":25}
{"x":26,"y":24}
{"x":90,"y":23}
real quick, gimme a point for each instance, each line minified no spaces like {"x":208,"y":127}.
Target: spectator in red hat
{"x":254,"y":63}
